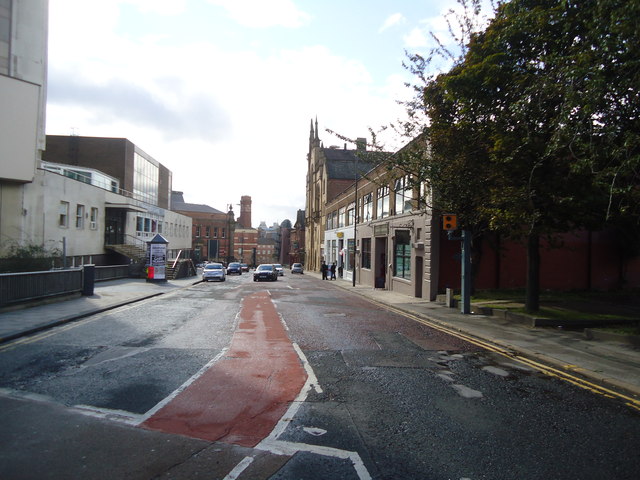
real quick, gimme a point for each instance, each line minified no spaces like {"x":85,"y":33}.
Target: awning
{"x":125,"y":206}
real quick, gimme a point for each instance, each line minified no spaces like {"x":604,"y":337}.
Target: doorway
{"x":115,"y":220}
{"x":381,"y":263}
{"x":419,"y":272}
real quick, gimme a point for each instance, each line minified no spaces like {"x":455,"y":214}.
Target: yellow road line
{"x":543,"y":368}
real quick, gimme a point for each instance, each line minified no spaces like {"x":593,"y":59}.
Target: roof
{"x":194,"y":207}
{"x":341,"y":164}
{"x":178,"y":204}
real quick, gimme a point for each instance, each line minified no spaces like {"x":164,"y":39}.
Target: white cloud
{"x":161,"y":7}
{"x":261,"y":13}
{"x":235,"y":124}
{"x":392,"y":21}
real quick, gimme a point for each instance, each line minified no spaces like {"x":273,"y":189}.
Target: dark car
{"x":245,"y":267}
{"x":234,"y":267}
{"x":265,"y":271}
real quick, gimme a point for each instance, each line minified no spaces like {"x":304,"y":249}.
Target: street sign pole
{"x":466,"y":273}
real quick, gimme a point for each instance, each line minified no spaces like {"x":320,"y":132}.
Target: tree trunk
{"x":532,"y":302}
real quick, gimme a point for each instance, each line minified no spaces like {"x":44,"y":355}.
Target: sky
{"x":223,"y":92}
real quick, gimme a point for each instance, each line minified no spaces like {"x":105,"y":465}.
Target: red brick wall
{"x":582,"y":261}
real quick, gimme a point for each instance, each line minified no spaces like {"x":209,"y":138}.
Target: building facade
{"x":245,"y":236}
{"x":141,"y":209}
{"x":23,"y":90}
{"x":297,"y":240}
{"x":383,"y":230}
{"x":212,"y":230}
{"x":329,"y":172}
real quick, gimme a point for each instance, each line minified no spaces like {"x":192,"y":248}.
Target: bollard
{"x":88,"y":279}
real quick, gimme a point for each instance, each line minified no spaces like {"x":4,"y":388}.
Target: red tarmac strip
{"x":241,"y":398}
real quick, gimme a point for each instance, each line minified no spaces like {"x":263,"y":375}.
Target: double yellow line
{"x":562,"y":374}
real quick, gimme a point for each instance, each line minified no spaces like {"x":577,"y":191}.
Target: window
{"x":79,"y":216}
{"x":63,"y":218}
{"x":197,"y":230}
{"x":365,"y":258}
{"x":208,"y":231}
{"x":402,"y":255}
{"x":215,"y":232}
{"x":5,"y":36}
{"x":224,"y":233}
{"x":367,"y":202}
{"x":383,"y":202}
{"x":145,"y":179}
{"x":341,"y":213}
{"x":93,"y":219}
{"x":404,"y":195}
{"x":351,"y":254}
{"x":139,"y":224}
{"x":351,"y":213}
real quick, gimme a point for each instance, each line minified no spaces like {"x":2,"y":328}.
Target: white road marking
{"x":235,"y":473}
{"x":272,"y":445}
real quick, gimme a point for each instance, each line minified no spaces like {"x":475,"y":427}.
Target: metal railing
{"x":21,"y":287}
{"x":28,"y":286}
{"x":112,"y":272}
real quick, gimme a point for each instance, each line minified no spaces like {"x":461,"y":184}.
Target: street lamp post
{"x":355,"y":227}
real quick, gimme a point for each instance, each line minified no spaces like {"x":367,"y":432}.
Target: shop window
{"x":366,"y":253}
{"x":402,"y":255}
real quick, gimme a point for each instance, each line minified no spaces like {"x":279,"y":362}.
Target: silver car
{"x":279,"y":269}
{"x":214,"y":271}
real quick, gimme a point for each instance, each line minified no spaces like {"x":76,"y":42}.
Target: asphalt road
{"x":383,"y":396}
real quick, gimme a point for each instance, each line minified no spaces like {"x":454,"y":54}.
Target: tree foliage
{"x":535,"y":128}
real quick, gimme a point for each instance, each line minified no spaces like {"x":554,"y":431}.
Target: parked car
{"x":297,"y":268}
{"x":213,"y":271}
{"x":265,"y":271}
{"x":279,"y":269}
{"x":234,"y":267}
{"x":244,"y":267}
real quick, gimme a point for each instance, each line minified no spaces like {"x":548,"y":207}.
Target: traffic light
{"x":449,"y":221}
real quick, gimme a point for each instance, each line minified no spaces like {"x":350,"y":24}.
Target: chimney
{"x":361,"y":144}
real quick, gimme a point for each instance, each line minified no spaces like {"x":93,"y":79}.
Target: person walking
{"x":333,"y":271}
{"x":323,"y":270}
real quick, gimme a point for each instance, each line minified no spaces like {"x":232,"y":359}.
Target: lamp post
{"x":355,"y":226}
{"x":229,"y":217}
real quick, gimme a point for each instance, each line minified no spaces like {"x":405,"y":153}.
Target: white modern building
{"x":68,"y":204}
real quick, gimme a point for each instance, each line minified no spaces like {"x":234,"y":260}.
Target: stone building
{"x":329,"y":172}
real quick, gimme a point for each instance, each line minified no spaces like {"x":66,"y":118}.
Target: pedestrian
{"x":323,"y":270}
{"x":333,"y":271}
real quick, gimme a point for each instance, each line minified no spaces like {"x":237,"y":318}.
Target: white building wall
{"x":39,"y":220}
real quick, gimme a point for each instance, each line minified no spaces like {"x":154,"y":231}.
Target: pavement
{"x":609,"y":367}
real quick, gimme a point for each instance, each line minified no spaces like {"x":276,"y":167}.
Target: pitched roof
{"x":342,"y":164}
{"x":194,"y":207}
{"x":178,"y":204}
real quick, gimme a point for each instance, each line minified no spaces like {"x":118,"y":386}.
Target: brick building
{"x":210,"y":237}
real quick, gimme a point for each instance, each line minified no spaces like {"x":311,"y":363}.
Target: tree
{"x":534,"y":130}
